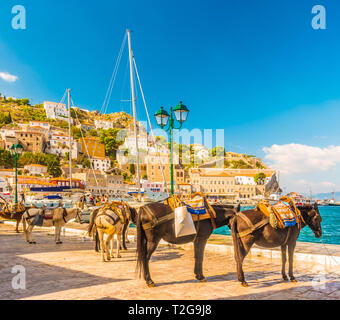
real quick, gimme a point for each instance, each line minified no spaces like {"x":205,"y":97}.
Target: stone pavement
{"x":74,"y":270}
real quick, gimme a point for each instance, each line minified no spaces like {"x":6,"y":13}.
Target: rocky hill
{"x":21,"y":111}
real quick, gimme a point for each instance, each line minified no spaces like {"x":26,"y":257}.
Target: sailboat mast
{"x":134,"y":110}
{"x":69,"y":133}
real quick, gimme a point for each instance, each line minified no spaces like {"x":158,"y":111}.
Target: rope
{"x":113,"y":78}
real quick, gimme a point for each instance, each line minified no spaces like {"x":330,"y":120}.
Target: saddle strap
{"x":252,"y":227}
{"x":156,"y":221}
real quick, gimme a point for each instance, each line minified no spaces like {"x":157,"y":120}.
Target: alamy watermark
{"x":319,"y":20}
{"x":19,"y":18}
{"x":19,"y":280}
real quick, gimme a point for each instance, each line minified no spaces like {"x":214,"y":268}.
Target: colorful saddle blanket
{"x":285,"y":213}
{"x":198,"y":208}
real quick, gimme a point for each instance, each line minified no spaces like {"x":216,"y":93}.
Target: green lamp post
{"x":15,"y":150}
{"x":162,"y":117}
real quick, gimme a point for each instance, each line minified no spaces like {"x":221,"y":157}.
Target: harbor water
{"x":330,"y":227}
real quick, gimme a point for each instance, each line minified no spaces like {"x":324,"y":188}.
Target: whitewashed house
{"x":103,"y":124}
{"x":102,"y":164}
{"x":56,"y":110}
{"x":59,"y":145}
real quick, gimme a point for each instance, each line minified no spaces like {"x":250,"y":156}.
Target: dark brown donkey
{"x":268,"y":237}
{"x":6,"y":214}
{"x":148,"y":240}
{"x":15,"y":216}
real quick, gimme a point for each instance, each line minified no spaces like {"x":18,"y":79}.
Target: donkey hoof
{"x":285,"y":278}
{"x":151,"y":284}
{"x":292,"y":279}
{"x":201,"y":278}
{"x":245,"y":284}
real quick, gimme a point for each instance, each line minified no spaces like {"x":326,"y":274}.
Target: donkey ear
{"x":238,"y":208}
{"x":315,"y":205}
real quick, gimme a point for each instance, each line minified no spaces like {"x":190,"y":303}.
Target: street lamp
{"x":162,"y":117}
{"x":15,"y":150}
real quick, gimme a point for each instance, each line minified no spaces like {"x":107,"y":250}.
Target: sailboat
{"x":137,"y":190}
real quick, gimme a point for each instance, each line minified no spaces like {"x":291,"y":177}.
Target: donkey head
{"x":313,"y":219}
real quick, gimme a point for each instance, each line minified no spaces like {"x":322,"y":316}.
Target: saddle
{"x":282,"y":214}
{"x":197,"y":205}
{"x":120,"y":210}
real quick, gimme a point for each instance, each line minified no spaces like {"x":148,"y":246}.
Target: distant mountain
{"x":327,"y":195}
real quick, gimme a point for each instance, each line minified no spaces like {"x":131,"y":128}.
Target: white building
{"x":41,"y":124}
{"x":130,"y":142}
{"x":7,"y":133}
{"x":115,"y":185}
{"x":248,"y":179}
{"x":103,"y":124}
{"x":59,"y":145}
{"x":102,"y":164}
{"x":56,"y":110}
{"x":36,"y":169}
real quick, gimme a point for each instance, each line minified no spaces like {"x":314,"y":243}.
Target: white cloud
{"x":297,"y":158}
{"x":8,"y":77}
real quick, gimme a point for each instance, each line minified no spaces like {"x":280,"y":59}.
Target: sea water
{"x":330,"y":227}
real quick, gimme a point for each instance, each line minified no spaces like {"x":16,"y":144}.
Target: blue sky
{"x":256,"y":69}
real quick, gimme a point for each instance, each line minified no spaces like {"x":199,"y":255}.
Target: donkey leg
{"x":29,"y":233}
{"x":291,"y":248}
{"x":244,"y":247}
{"x":107,"y":242}
{"x":17,"y":226}
{"x":101,"y":241}
{"x":199,"y":246}
{"x":57,"y":234}
{"x":151,"y":247}
{"x":119,"y":235}
{"x":284,"y":259}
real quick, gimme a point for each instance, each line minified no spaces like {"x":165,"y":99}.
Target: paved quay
{"x":74,"y":270}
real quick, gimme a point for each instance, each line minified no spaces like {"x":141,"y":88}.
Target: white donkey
{"x":57,"y":217}
{"x":108,"y":220}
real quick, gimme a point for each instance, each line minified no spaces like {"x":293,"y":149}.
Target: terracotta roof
{"x":222,"y":174}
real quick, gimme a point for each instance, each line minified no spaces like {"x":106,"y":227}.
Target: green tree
{"x":93,"y":133}
{"x":86,"y":163}
{"x":6,"y":159}
{"x":218,"y":151}
{"x":111,"y":142}
{"x":132,"y":169}
{"x":260,"y":178}
{"x":76,"y":132}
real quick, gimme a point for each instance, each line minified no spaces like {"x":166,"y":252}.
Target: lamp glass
{"x":181,"y":112}
{"x":162,"y":117}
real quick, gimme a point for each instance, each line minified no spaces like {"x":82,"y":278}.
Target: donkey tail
{"x":141,"y":246}
{"x":23,"y":220}
{"x":236,"y":239}
{"x":93,"y":215}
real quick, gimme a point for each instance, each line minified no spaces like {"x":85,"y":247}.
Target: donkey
{"x":6,"y":213}
{"x":267,"y":236}
{"x":130,"y":217}
{"x":17,"y":216}
{"x":57,"y":217}
{"x":111,"y":221}
{"x":148,"y":240}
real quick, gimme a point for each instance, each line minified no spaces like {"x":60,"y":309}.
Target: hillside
{"x":20,"y":110}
